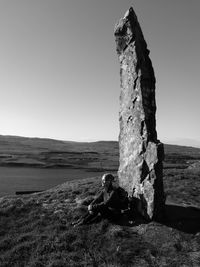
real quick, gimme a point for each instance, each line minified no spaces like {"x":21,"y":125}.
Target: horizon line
{"x":175,"y":141}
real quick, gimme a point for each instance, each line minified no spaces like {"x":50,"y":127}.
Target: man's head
{"x":107,"y":180}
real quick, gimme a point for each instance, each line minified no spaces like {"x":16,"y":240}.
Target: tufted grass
{"x":36,"y":230}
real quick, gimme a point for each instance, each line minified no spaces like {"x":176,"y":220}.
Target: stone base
{"x":145,"y":182}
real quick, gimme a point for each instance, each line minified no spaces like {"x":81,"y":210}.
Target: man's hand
{"x":90,"y":209}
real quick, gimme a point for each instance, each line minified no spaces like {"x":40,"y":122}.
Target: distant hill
{"x":50,"y":153}
{"x":185,"y":142}
{"x":101,"y":155}
{"x":24,"y":144}
{"x":21,"y":144}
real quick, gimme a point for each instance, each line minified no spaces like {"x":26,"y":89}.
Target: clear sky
{"x":59,"y":72}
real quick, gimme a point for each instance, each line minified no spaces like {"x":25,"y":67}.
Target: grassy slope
{"x":35,"y":230}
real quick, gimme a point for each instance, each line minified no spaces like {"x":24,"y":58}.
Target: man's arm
{"x":97,"y":199}
{"x":110,"y":202}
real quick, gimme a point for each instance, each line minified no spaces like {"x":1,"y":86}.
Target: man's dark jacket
{"x":113,"y":198}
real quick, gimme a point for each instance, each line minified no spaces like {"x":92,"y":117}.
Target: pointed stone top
{"x":128,"y":30}
{"x":129,"y":12}
{"x":128,"y":21}
{"x":125,"y":30}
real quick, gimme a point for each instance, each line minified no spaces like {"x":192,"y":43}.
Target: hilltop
{"x":36,"y":231}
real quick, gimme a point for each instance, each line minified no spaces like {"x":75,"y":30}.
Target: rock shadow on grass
{"x":185,"y":219}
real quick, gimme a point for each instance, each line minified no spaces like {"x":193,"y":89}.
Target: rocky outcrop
{"x":141,"y":154}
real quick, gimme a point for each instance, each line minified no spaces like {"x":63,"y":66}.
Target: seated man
{"x":108,"y":204}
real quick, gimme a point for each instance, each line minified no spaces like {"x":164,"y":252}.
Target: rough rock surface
{"x":141,"y":154}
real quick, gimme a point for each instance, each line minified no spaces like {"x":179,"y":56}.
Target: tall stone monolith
{"x":141,"y":153}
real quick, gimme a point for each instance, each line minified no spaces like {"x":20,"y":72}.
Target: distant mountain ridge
{"x":17,"y":151}
{"x":185,"y":142}
{"x":48,"y":143}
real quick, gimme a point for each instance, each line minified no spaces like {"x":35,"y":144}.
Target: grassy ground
{"x":36,"y":230}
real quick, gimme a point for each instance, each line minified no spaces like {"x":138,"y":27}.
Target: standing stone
{"x":141,"y":154}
